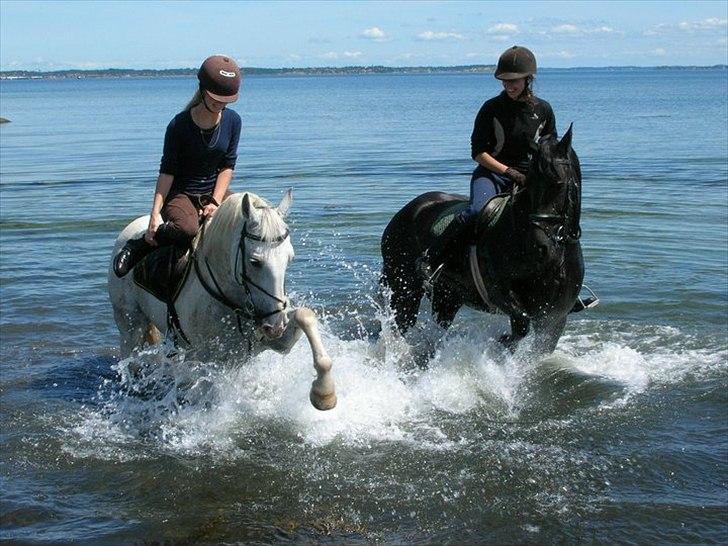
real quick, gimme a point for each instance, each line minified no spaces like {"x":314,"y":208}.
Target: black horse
{"x":524,"y":260}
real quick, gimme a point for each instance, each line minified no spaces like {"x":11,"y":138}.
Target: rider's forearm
{"x":491,"y":163}
{"x":164,"y":183}
{"x":222,"y":184}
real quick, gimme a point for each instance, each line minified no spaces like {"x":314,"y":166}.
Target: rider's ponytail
{"x":527,"y":93}
{"x":195,"y":100}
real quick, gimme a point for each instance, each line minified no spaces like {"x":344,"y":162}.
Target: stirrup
{"x":589,"y":302}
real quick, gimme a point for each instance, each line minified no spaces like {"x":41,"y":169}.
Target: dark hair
{"x":527,"y":93}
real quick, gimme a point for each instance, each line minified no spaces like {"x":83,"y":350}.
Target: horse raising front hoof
{"x":323,"y":393}
{"x":322,"y":402}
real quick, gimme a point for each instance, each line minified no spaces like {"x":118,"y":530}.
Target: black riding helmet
{"x":515,"y":62}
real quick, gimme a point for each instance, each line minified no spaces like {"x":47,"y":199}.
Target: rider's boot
{"x":442,"y":250}
{"x":131,"y":254}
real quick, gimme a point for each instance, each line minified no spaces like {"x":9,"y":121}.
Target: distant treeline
{"x":180,"y":72}
{"x":313,"y":71}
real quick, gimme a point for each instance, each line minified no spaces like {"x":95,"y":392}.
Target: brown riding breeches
{"x":181,"y":215}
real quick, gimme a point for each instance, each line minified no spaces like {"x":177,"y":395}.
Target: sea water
{"x":619,"y":436}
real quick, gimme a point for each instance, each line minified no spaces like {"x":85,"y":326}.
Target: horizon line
{"x":352,"y":67}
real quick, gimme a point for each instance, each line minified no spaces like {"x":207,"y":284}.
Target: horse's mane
{"x":228,"y":219}
{"x":544,"y":159}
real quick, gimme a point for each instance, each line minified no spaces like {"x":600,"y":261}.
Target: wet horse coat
{"x":233,"y":300}
{"x":529,"y":261}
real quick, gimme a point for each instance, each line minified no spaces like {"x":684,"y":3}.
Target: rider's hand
{"x":155,"y":220}
{"x":208,"y":210}
{"x":516,"y":176}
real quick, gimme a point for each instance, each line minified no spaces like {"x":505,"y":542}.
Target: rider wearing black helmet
{"x":505,"y":135}
{"x":200,"y":151}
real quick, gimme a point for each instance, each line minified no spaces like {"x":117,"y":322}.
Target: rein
{"x":559,"y":237}
{"x":248,"y":311}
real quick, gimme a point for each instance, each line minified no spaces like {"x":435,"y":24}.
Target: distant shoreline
{"x":112,"y":73}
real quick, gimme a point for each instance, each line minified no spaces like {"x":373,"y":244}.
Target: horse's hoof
{"x":323,"y":403}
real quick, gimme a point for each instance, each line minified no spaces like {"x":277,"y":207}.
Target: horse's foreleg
{"x":445,"y":304}
{"x":519,"y":329}
{"x":547,"y":332}
{"x":323,"y":394}
{"x":406,"y":292}
{"x":132,"y":330}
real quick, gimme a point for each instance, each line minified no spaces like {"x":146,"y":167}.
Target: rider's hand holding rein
{"x":222,"y":184}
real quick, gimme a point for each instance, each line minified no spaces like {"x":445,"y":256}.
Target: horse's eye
{"x":255,"y":262}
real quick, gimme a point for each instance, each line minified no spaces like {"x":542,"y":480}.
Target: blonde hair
{"x":195,"y":100}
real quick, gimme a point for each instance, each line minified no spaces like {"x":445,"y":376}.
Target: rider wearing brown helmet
{"x":505,"y":134}
{"x":200,"y":151}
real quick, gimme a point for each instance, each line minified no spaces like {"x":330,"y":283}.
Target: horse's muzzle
{"x":275,"y":325}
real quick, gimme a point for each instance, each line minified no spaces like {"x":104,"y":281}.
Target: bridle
{"x":248,"y":310}
{"x":539,"y":219}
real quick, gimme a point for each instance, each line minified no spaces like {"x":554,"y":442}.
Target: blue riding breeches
{"x":483,"y":187}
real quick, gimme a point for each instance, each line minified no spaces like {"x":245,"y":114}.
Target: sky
{"x":59,"y":35}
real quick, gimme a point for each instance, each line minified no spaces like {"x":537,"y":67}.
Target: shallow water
{"x":620,"y":436}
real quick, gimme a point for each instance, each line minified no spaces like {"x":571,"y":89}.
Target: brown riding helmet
{"x":516,"y":62}
{"x":220,"y":77}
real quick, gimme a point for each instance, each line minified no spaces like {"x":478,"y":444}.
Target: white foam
{"x":382,"y":396}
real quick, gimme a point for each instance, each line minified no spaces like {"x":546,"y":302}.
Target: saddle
{"x":489,"y":215}
{"x":162,"y":272}
{"x":462,"y":247}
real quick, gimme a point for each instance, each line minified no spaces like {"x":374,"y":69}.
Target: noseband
{"x":248,"y":310}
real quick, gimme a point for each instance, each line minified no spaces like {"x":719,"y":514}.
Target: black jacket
{"x":509,"y":130}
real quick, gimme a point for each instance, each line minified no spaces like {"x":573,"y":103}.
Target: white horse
{"x":233,"y":299}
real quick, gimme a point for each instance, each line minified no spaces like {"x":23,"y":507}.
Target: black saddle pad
{"x":162,"y":272}
{"x":446,"y":217}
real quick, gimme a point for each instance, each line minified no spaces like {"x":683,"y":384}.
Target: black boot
{"x":443,"y":249}
{"x":131,"y":254}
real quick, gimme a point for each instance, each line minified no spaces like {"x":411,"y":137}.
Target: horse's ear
{"x":249,"y":210}
{"x":285,"y":204}
{"x":564,"y":146}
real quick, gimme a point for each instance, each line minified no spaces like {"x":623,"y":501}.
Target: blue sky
{"x":106,"y":34}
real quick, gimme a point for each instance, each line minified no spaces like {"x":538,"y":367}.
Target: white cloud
{"x":660,"y":52}
{"x":429,"y":35}
{"x":706,"y":24}
{"x":570,"y":30}
{"x":374,"y":33}
{"x":710,"y":24}
{"x":566,"y":29}
{"x":333,"y":55}
{"x":504,"y":28}
{"x":563,"y":54}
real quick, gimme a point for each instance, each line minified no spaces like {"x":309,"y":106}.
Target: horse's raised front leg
{"x":323,"y":394}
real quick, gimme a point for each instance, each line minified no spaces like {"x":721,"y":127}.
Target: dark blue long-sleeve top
{"x":195,"y":156}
